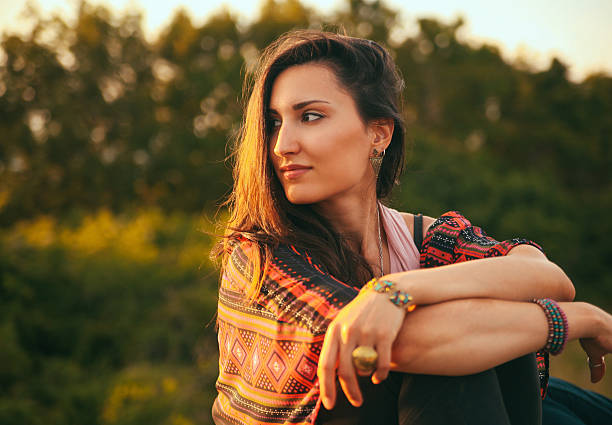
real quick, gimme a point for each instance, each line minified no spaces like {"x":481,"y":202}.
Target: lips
{"x":294,"y":171}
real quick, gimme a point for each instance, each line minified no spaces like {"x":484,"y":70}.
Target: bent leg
{"x":462,"y":400}
{"x":428,"y":400}
{"x":379,"y":404}
{"x":520,"y":387}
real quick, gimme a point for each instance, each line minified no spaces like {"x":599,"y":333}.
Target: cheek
{"x":345,"y":153}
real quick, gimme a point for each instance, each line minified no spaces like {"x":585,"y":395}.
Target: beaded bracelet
{"x":399,"y":298}
{"x":558,"y":328}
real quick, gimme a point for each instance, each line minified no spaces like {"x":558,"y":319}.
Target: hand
{"x":595,"y":352}
{"x":371,"y":320}
{"x":598,"y":346}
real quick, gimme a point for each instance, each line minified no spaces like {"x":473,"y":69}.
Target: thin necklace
{"x":380,"y":250}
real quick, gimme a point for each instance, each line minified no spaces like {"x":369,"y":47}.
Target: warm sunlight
{"x":526,"y":31}
{"x":212,"y":209}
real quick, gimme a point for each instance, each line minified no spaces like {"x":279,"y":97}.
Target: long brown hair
{"x":259,"y":209}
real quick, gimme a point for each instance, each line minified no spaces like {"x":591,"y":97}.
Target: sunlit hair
{"x":259,"y":209}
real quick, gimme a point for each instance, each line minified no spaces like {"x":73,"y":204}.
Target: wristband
{"x":558,"y":328}
{"x":397,"y":297}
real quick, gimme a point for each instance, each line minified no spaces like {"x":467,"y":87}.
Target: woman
{"x":322,"y":142}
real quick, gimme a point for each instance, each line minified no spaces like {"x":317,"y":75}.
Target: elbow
{"x":556,"y":283}
{"x":569,"y":289}
{"x":566,"y":291}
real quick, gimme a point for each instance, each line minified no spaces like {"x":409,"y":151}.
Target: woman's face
{"x":319,"y":145}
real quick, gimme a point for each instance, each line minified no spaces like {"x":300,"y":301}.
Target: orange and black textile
{"x":269,"y":348}
{"x":452,"y":239}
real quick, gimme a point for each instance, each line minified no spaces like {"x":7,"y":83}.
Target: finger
{"x":361,"y":372}
{"x":603,"y":372}
{"x":326,"y":370}
{"x":383,"y":348}
{"x":347,"y":376}
{"x":365,"y":340}
{"x":598,"y":370}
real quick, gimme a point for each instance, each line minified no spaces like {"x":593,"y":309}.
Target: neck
{"x":356,"y":220}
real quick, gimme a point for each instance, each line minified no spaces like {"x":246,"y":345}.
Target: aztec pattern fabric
{"x":269,"y":349}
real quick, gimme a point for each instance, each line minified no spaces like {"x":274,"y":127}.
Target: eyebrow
{"x":301,"y":105}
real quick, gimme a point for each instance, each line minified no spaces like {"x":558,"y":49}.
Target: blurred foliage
{"x":113,"y":147}
{"x":103,"y":319}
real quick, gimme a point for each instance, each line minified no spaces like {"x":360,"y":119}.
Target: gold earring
{"x":376,"y":161}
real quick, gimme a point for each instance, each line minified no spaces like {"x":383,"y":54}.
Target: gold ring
{"x":364,"y":359}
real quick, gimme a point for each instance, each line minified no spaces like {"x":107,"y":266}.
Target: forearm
{"x":513,"y":277}
{"x":468,"y":336}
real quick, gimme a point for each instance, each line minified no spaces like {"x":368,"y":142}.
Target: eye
{"x":274,"y":123}
{"x":313,"y":116}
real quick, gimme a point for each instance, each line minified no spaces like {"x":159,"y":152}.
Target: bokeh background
{"x":112,"y":167}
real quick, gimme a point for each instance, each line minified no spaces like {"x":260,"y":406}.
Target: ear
{"x":381,"y":130}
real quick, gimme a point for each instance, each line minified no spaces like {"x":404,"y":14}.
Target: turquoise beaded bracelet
{"x":558,"y":328}
{"x":397,"y":297}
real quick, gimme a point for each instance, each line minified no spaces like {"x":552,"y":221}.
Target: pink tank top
{"x":403,"y":252}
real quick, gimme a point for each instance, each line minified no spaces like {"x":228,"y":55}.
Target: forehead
{"x":303,"y":82}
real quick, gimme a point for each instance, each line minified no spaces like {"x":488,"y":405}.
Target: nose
{"x":285,"y":141}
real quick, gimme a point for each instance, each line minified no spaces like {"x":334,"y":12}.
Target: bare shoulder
{"x":409,"y":219}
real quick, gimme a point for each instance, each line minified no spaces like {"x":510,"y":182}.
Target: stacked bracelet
{"x":558,"y":327}
{"x":397,"y":297}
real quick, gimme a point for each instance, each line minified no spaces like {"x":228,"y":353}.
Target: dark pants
{"x":505,"y":395}
{"x":567,"y":404}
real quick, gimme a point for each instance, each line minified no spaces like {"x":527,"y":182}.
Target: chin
{"x":302,"y":198}
{"x":302,"y":201}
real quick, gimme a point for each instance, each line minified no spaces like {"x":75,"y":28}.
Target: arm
{"x":470,"y":336}
{"x":523,"y":274}
{"x":451,"y":338}
{"x":515,"y":269}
